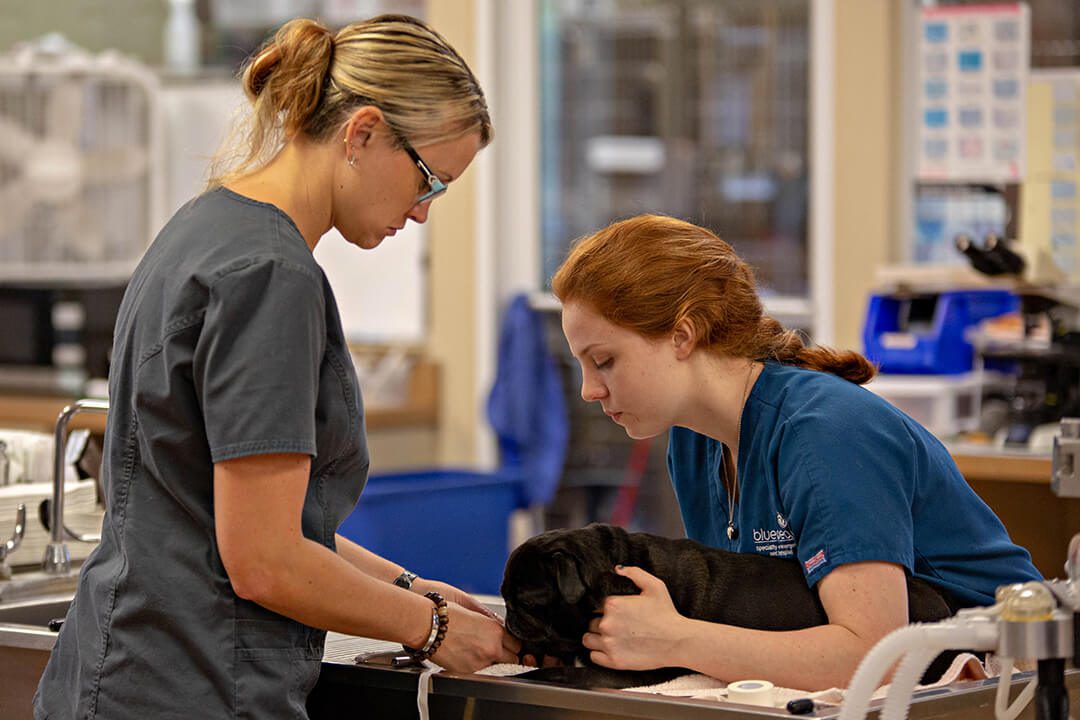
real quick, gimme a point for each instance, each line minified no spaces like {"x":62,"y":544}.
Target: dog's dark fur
{"x":555,"y":583}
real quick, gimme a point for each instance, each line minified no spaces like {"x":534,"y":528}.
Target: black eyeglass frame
{"x":436,"y":187}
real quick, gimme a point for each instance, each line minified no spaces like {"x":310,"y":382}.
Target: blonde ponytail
{"x":308,"y":80}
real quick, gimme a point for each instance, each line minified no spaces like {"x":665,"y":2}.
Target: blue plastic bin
{"x":448,"y":525}
{"x":939,"y":347}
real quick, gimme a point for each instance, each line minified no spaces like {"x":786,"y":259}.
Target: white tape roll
{"x":752,"y":692}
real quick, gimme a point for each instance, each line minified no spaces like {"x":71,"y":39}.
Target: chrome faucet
{"x":12,"y":544}
{"x":57,"y":557}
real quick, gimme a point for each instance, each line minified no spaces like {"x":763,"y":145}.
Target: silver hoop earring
{"x":349,"y":157}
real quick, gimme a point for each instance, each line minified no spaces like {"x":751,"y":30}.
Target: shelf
{"x":39,"y":412}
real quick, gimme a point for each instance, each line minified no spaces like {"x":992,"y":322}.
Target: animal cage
{"x":80,"y":163}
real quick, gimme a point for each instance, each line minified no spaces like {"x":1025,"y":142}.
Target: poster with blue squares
{"x":1049,"y":226}
{"x":973,"y":66}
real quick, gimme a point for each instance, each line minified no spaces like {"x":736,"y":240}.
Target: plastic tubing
{"x":904,"y":680}
{"x":967,"y":634}
{"x":1002,"y":710}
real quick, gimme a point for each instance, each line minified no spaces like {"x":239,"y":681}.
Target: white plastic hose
{"x":973,"y":634}
{"x":903,"y":684}
{"x":1002,"y":709}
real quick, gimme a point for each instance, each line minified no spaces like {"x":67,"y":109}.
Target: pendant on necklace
{"x":732,"y":532}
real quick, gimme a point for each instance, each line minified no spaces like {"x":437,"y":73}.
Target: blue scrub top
{"x":831,"y":473}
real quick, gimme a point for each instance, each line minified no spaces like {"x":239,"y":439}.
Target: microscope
{"x":1045,"y":360}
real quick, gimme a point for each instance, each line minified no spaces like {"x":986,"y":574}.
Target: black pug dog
{"x":556,"y":582}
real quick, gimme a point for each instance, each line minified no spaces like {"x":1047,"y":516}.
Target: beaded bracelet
{"x":440,"y":619}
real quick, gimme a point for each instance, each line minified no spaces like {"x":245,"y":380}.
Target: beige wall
{"x":867,"y":147}
{"x":452,"y":340}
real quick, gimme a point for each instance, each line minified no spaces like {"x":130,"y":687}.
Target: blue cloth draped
{"x":526,"y":406}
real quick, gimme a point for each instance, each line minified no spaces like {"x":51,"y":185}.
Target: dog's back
{"x":747,"y":590}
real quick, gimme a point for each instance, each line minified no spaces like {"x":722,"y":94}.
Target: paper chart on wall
{"x":1049,"y":198}
{"x":973,"y":66}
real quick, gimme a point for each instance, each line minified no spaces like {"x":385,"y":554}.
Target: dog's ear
{"x":567,"y":577}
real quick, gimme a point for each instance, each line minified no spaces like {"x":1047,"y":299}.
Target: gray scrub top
{"x":228,"y":343}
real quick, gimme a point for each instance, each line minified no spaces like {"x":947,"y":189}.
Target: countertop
{"x":38,"y":410}
{"x":390,"y":693}
{"x":984,"y":462}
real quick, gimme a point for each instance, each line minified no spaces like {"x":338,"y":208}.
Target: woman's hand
{"x":474,"y":641}
{"x":454,"y":595}
{"x":636,"y":632}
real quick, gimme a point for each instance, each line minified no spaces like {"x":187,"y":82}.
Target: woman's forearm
{"x":258,"y":502}
{"x":814,"y":658}
{"x":360,"y":557}
{"x":323,"y":589}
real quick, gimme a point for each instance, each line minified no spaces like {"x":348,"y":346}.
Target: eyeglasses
{"x":436,"y":187}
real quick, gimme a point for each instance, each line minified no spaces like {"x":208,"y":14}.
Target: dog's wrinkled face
{"x":554,"y":585}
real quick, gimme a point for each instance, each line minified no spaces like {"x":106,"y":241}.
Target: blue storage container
{"x":448,"y":525}
{"x":929,"y":334}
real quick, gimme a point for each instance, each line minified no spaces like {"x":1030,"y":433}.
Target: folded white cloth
{"x":504,"y":670}
{"x":702,"y":687}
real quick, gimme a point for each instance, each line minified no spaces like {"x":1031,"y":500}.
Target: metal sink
{"x":25,"y":624}
{"x":25,"y":644}
{"x":37,"y":611}
{"x":36,"y":584}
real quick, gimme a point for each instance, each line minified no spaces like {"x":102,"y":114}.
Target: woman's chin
{"x":371,"y":242}
{"x":641,"y":433}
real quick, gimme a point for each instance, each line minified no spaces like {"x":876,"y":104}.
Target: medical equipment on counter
{"x":929,"y":332}
{"x":1065,"y":472}
{"x":1030,"y":620}
{"x":1046,"y":358}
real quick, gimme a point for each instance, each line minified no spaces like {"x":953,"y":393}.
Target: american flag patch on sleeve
{"x":815,"y":562}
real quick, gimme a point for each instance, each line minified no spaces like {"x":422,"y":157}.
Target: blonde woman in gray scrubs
{"x":235,"y":442}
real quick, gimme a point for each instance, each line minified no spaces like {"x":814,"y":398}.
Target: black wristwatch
{"x":405,"y":580}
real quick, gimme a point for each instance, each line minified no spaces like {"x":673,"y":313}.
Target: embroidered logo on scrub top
{"x":777,"y":542}
{"x":815,"y":562}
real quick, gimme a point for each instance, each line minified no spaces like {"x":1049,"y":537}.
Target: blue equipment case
{"x":928,"y":333}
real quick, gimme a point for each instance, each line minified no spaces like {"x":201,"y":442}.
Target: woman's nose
{"x":591,"y":390}
{"x":419,"y":212}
